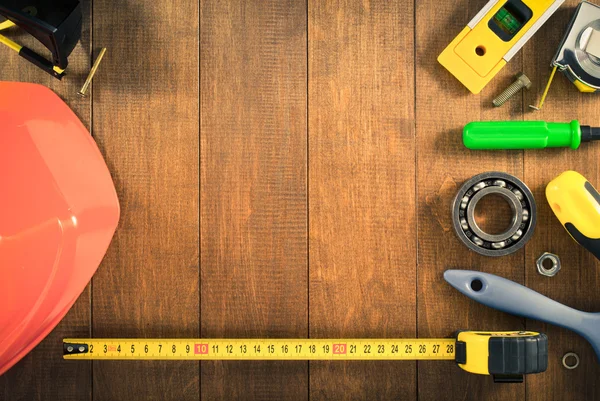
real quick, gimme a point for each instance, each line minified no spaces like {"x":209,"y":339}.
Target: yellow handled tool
{"x":576,"y":203}
{"x":506,"y":355}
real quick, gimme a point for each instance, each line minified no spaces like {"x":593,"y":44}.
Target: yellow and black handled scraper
{"x":576,"y":203}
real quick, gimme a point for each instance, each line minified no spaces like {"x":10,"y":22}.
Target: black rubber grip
{"x":510,"y":356}
{"x":591,"y":244}
{"x":592,"y":191}
{"x":589,"y":133}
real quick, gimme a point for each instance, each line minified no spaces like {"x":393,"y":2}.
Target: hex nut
{"x":555,"y":264}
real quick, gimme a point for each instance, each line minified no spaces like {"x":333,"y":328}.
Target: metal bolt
{"x":88,"y":81}
{"x":521,"y":81}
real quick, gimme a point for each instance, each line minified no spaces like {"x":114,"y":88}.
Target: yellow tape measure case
{"x":578,"y":56}
{"x":507,"y":356}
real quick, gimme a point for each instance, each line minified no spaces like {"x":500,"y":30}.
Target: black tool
{"x":55,"y":23}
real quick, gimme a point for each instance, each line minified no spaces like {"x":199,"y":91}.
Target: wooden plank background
{"x":285,"y":169}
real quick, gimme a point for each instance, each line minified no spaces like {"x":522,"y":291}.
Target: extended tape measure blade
{"x":259,"y":349}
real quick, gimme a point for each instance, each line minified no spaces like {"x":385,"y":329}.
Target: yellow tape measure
{"x":260,"y":349}
{"x":506,"y":355}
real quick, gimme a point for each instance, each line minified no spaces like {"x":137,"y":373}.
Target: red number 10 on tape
{"x":201,"y":349}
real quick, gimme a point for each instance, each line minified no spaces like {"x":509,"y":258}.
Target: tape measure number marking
{"x":260,"y":349}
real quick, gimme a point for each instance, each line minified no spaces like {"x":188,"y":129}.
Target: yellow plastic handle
{"x":576,"y":204}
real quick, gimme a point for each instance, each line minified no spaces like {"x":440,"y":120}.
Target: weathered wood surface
{"x":286,"y":169}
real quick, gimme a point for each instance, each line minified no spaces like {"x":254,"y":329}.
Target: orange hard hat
{"x":58,"y":213}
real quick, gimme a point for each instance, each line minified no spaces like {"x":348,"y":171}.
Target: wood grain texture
{"x":146,"y":122}
{"x":362,"y":188}
{"x":254,"y":196}
{"x":317,"y":205}
{"x":577,"y":283}
{"x":43,"y":374}
{"x":443,"y":107}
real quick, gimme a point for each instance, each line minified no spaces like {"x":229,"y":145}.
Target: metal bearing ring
{"x":521,"y":202}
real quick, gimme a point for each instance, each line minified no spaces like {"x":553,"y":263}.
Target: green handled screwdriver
{"x":527,"y":135}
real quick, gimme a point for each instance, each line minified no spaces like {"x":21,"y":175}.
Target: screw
{"x":88,"y":81}
{"x":521,"y":81}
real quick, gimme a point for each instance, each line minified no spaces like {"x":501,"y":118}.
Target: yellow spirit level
{"x":505,"y":355}
{"x":492,"y":38}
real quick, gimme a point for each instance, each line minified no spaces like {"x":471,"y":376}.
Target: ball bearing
{"x":520,"y":200}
